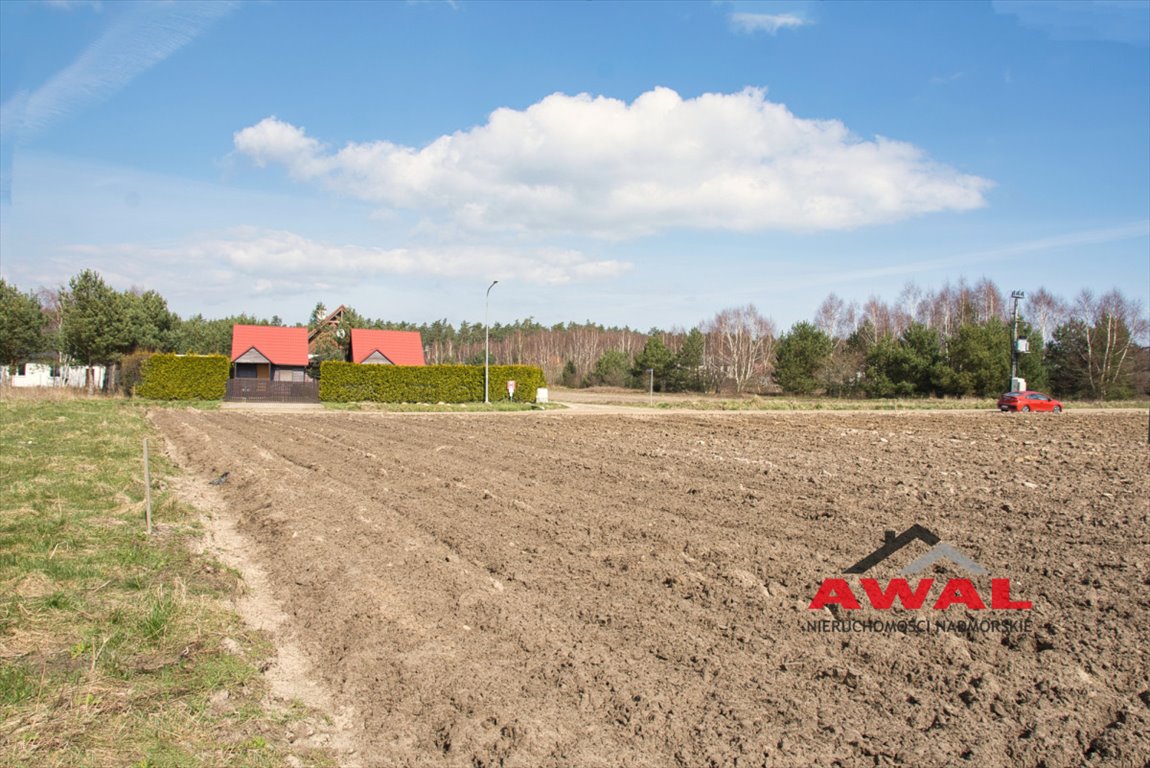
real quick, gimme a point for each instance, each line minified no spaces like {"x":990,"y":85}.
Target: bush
{"x":611,"y":370}
{"x":570,"y":376}
{"x":132,"y":370}
{"x":353,"y":382}
{"x":184,"y":377}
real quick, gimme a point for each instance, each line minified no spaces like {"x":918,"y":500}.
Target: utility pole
{"x":1017,"y":296}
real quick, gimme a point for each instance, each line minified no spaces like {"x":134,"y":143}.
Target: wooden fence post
{"x":147,"y":488}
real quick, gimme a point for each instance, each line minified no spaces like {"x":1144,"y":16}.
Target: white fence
{"x":44,"y":375}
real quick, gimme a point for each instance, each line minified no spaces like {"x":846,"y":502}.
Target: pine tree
{"x":21,"y":325}
{"x":656,"y":358}
{"x":96,"y":330}
{"x":800,"y":356}
{"x":687,"y":370}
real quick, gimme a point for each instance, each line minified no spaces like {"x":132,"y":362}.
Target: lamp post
{"x":1017,"y":296}
{"x":487,"y":344}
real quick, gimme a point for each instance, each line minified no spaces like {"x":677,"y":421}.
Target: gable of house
{"x":253,"y":355}
{"x":386,"y":347}
{"x":378,"y":358}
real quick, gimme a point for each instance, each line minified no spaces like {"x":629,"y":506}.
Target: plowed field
{"x":557,"y":590}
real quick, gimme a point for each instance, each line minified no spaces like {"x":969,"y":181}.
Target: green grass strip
{"x":112,"y":643}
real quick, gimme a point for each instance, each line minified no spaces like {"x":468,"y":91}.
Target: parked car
{"x":1028,"y":400}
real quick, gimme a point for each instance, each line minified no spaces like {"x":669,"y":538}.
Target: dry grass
{"x":711,"y":402}
{"x":116,"y":649}
{"x":49,"y":394}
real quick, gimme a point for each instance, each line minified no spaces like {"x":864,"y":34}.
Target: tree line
{"x":951,"y":341}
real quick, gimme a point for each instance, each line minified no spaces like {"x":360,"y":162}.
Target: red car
{"x":1028,"y":400}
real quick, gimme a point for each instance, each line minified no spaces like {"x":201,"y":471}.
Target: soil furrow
{"x":613,"y":590}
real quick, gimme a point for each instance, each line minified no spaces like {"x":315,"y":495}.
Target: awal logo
{"x":958,"y":591}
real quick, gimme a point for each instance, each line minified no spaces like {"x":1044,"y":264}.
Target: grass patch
{"x":115,"y":646}
{"x":844,"y":404}
{"x":502,"y":406}
{"x":808,"y":404}
{"x":199,"y":405}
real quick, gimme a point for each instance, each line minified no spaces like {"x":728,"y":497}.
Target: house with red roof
{"x":269,"y":352}
{"x":386,"y":347}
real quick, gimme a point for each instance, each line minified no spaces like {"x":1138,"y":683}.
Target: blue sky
{"x":639,"y":163}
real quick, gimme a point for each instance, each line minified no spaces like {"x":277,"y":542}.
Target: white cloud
{"x":279,"y":260}
{"x":67,"y":5}
{"x":947,"y":79}
{"x":599,"y":166}
{"x":767,"y":22}
{"x":143,"y":36}
{"x":274,"y":141}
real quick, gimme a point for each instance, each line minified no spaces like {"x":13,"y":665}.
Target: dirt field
{"x":548,"y":589}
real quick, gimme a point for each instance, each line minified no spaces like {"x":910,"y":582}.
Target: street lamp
{"x":1017,"y":296}
{"x":487,"y":344}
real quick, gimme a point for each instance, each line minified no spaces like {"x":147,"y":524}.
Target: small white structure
{"x":44,"y":375}
{"x":541,"y":395}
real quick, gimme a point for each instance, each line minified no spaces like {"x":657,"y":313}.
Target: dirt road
{"x":634,"y":590}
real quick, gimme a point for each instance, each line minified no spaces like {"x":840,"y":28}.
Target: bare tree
{"x":585,"y":346}
{"x":876,"y":316}
{"x":740,"y":343}
{"x":942,"y":311}
{"x":830,"y":315}
{"x":1045,"y":312}
{"x":1095,"y":349}
{"x":850,"y":320}
{"x":989,"y":304}
{"x":52,"y":303}
{"x":906,"y":307}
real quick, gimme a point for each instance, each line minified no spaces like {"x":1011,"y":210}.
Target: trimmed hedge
{"x":341,"y":382}
{"x":184,"y":377}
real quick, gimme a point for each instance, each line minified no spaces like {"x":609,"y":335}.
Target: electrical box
{"x":1022,"y":345}
{"x":1017,"y":385}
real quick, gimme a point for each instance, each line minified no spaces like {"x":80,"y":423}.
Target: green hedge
{"x":341,"y":382}
{"x":184,"y":377}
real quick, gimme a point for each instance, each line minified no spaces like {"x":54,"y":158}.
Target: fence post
{"x":147,"y":488}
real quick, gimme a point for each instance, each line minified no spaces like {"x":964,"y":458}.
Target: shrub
{"x":353,"y":382}
{"x":184,"y":377}
{"x":132,"y":370}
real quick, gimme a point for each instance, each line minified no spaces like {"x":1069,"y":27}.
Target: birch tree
{"x":741,"y":345}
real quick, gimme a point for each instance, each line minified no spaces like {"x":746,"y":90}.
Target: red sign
{"x":956,"y":592}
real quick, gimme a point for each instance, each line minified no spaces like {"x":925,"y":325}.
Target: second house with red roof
{"x":386,"y":347}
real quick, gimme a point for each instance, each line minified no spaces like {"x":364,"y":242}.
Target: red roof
{"x":400,"y":347}
{"x":282,"y":346}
